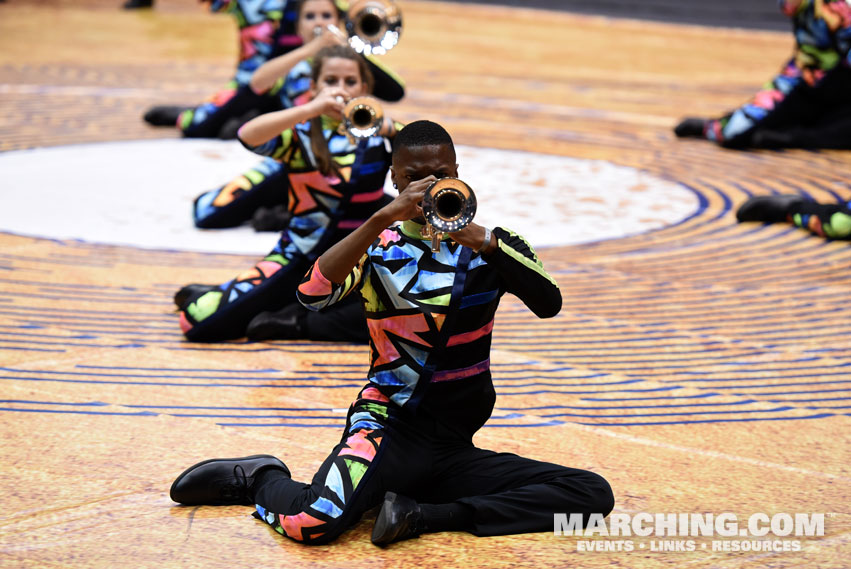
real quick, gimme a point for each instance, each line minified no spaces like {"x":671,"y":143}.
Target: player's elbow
{"x":550,"y":308}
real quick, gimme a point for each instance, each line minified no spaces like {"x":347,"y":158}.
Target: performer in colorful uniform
{"x":261,"y":192}
{"x":808,"y":104}
{"x":831,"y":220}
{"x":335,"y":184}
{"x":407,"y":443}
{"x":266,"y":29}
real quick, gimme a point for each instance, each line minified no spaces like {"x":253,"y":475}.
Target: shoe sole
{"x":208,"y":461}
{"x":381,"y":521}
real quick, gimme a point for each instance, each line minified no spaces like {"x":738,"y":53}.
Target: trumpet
{"x":448,"y":205}
{"x":362,"y":118}
{"x":373,"y":26}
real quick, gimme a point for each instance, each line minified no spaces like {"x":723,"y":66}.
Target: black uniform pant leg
{"x":243,"y":299}
{"x":341,"y":322}
{"x":207,"y":120}
{"x":234,"y":203}
{"x":816,"y":116}
{"x":369,"y":461}
{"x":510,"y":494}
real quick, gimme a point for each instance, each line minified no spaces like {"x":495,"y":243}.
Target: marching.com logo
{"x":668,"y":525}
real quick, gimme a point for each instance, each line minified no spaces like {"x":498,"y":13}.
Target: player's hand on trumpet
{"x":329,"y":101}
{"x":408,"y":204}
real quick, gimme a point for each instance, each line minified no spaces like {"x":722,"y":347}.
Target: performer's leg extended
{"x":828,"y":220}
{"x":234,"y":102}
{"x":224,"y":312}
{"x":369,"y":460}
{"x":234,"y":203}
{"x":488,"y":493}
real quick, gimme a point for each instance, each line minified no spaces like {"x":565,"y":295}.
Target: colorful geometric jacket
{"x":430,"y":316}
{"x":822,"y":31}
{"x":325,"y":208}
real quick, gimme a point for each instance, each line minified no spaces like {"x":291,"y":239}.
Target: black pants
{"x":421,"y":458}
{"x":808,"y":117}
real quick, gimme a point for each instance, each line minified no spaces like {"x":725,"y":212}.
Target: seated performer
{"x":260,"y":194}
{"x":263,"y":34}
{"x":407,"y":443}
{"x":827,"y":220}
{"x":335,"y":183}
{"x":808,"y":104}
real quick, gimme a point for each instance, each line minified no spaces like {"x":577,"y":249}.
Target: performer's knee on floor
{"x":304,"y":527}
{"x":603,"y":499}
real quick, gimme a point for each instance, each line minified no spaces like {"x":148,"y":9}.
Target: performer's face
{"x":342,"y":73}
{"x":412,"y":163}
{"x":316,"y":14}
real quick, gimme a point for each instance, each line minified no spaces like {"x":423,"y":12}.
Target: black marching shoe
{"x":400,"y":518}
{"x":191,"y":292}
{"x":285,"y":324}
{"x":163,"y":115}
{"x":690,"y":127}
{"x":768,"y":209}
{"x":222,"y":481}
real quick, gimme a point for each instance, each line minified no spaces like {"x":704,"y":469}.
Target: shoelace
{"x":238,"y":491}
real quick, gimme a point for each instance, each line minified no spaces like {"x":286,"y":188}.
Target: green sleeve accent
{"x":276,"y":88}
{"x":535,"y":265}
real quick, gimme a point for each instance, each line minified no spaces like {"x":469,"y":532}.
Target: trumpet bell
{"x":449,"y":205}
{"x":362,"y":117}
{"x":373,"y":26}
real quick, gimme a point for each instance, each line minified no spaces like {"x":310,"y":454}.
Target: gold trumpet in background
{"x":449,"y":205}
{"x":362,"y":118}
{"x":373,"y":26}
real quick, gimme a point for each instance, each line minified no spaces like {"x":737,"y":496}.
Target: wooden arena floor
{"x":701,"y":368}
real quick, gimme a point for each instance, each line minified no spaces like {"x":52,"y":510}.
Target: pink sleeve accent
{"x":318,"y":285}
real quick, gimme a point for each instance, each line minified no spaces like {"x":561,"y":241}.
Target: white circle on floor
{"x":140,"y":194}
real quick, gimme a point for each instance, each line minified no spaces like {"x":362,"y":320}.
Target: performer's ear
{"x":393,"y":178}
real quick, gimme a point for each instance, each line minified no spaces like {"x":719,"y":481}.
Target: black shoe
{"x":400,"y":518}
{"x":222,"y":481}
{"x":231,"y":126}
{"x":191,"y":292}
{"x":132,"y":4}
{"x":285,"y":324}
{"x":690,"y":127}
{"x":768,"y":209}
{"x":274,"y":218}
{"x":163,"y":115}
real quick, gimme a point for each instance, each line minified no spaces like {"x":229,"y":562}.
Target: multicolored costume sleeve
{"x":324,"y":209}
{"x":430,"y":315}
{"x":822,"y":31}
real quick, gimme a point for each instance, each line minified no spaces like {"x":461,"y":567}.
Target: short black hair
{"x":421,"y":133}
